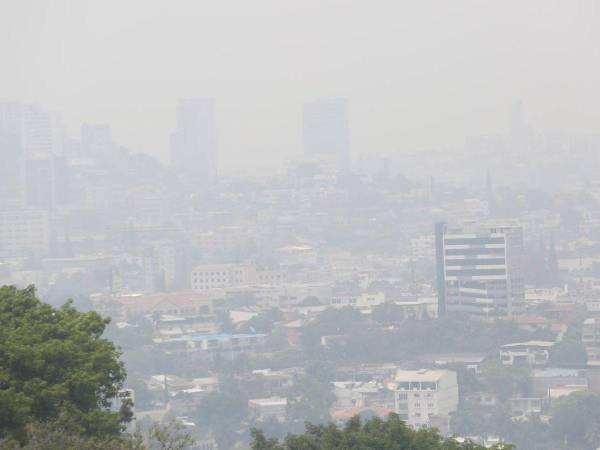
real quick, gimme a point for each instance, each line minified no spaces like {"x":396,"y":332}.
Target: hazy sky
{"x":417,"y":74}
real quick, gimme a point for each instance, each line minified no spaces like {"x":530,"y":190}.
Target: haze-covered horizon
{"x":375,"y":224}
{"x":416,"y":76}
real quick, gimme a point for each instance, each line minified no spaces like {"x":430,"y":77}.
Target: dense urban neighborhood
{"x":328,"y":291}
{"x":299,"y":225}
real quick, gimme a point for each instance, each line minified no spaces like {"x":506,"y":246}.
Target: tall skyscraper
{"x":326,"y":131}
{"x":10,"y":150}
{"x":479,"y":271}
{"x":47,"y":182}
{"x":520,"y":132}
{"x":194,"y":142}
{"x":31,"y":138}
{"x":43,"y":133}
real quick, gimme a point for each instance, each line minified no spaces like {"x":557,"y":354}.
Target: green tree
{"x":66,"y":433}
{"x":52,"y":359}
{"x":507,"y":381}
{"x":170,"y":436}
{"x":376,"y":433}
{"x":221,"y":413}
{"x":575,"y":420}
{"x":568,"y":353}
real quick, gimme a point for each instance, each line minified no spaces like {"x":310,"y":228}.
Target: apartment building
{"x":424,"y":396}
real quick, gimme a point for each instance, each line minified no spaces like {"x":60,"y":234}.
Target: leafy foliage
{"x":376,"y":433}
{"x":364,"y":343}
{"x":221,"y":413}
{"x":576,"y":421}
{"x":52,"y":359}
{"x":66,"y":433}
{"x":568,"y":353}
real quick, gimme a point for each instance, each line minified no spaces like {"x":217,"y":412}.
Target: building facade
{"x":479,"y":271}
{"x":24,"y":232}
{"x":423,"y":397}
{"x":591,"y":340}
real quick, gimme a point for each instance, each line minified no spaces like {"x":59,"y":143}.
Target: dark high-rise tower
{"x":10,"y":150}
{"x":326,"y":131}
{"x":194,"y":142}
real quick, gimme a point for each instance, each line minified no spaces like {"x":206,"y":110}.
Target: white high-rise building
{"x":479,"y":271}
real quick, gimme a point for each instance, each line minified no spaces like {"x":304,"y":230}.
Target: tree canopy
{"x":576,"y":421}
{"x":376,"y":433}
{"x":52,"y":360}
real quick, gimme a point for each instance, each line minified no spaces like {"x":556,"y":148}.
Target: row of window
{"x":404,"y":396}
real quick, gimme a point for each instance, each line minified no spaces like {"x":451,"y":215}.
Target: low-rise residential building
{"x":180,"y":303}
{"x":524,"y":406}
{"x":227,"y":346}
{"x":349,"y":394}
{"x":555,"y":377}
{"x":421,"y":308}
{"x":472,"y":362}
{"x":268,"y":408}
{"x":362,"y":300}
{"x":531,"y":353}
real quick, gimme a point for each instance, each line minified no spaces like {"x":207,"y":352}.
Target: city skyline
{"x":91,"y":61}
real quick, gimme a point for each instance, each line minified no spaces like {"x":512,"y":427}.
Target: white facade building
{"x":421,"y":396}
{"x":479,"y":270}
